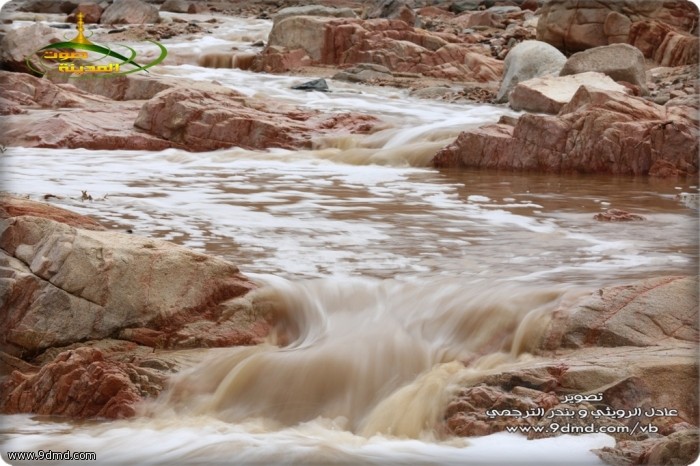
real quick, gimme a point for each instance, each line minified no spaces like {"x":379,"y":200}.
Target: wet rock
{"x":549,"y":94}
{"x":466,"y":415}
{"x":596,"y":132}
{"x":593,"y":24}
{"x":20,"y":43}
{"x":642,"y":381}
{"x":104,"y":281}
{"x":319,"y":85}
{"x":77,"y":384}
{"x":11,"y":206}
{"x":313,"y":10}
{"x":175,"y":6}
{"x":49,"y":6}
{"x":92,"y":12}
{"x":130,"y":12}
{"x":30,"y":91}
{"x":647,"y":313}
{"x":617,"y":215}
{"x":621,"y":62}
{"x":678,"y":448}
{"x":527,"y":60}
{"x":214,"y":117}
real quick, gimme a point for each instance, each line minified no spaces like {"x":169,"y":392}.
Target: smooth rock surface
{"x":548,"y":94}
{"x":621,"y":62}
{"x":527,"y":60}
{"x":648,"y":313}
{"x":104,"y":281}
{"x":22,"y":42}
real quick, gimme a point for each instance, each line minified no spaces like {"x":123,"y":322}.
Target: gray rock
{"x":319,"y":85}
{"x":460,"y":6}
{"x":313,"y":10}
{"x":621,"y":62}
{"x":392,"y":9}
{"x":130,"y":12}
{"x":527,"y":60}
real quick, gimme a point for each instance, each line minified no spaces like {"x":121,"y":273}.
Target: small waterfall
{"x":377,"y":354}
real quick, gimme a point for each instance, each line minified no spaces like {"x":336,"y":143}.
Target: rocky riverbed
{"x":468,"y":215}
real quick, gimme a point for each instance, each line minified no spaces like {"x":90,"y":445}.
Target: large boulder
{"x":63,"y":284}
{"x":49,"y":6}
{"x":527,"y":60}
{"x":213,"y":117}
{"x":647,"y":313}
{"x":678,"y":448}
{"x":94,"y":121}
{"x":596,"y":132}
{"x":20,"y":43}
{"x":175,"y":6}
{"x":576,"y":25}
{"x":664,"y":44}
{"x":549,"y":94}
{"x":79,"y":383}
{"x":300,"y":32}
{"x":633,"y":347}
{"x":313,"y":10}
{"x":305,"y":40}
{"x":130,"y":12}
{"x":621,"y":62}
{"x":92,"y":12}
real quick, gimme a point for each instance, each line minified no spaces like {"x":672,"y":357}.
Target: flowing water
{"x":392,"y":276}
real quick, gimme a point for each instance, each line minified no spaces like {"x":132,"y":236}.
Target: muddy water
{"x":393,"y":276}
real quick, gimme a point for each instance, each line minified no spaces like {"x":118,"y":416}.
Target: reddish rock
{"x":390,"y":43}
{"x":63,"y":284}
{"x":643,"y":314}
{"x":575,"y":25}
{"x":92,"y":12}
{"x":596,"y":132}
{"x":664,"y":44}
{"x":214,"y":118}
{"x":678,"y":448}
{"x":78,"y":384}
{"x":18,"y":44}
{"x":94,"y":123}
{"x":617,"y":215}
{"x":49,"y":6}
{"x":466,"y":415}
{"x":17,"y":207}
